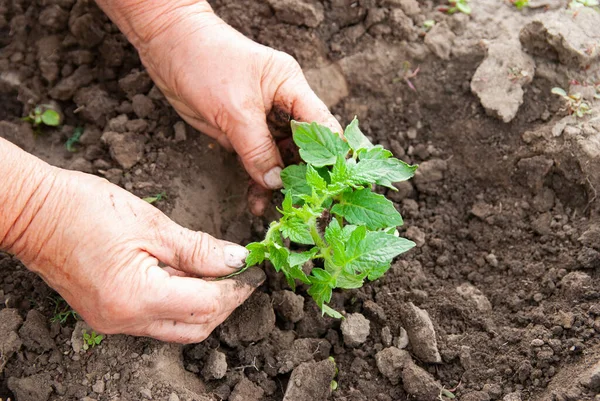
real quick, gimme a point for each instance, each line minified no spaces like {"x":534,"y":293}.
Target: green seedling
{"x":574,"y":4}
{"x":155,"y":198}
{"x":334,"y":384}
{"x":331,"y":215}
{"x":520,"y":4}
{"x":43,"y":114}
{"x":91,"y":340}
{"x":457,"y":6}
{"x":575,"y":103}
{"x":428,"y":24}
{"x":74,"y":139}
{"x":62,"y":311}
{"x":407,"y":74}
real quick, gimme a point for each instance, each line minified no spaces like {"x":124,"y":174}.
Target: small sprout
{"x":155,"y":198}
{"x":332,"y":215}
{"x":334,"y":385}
{"x":446,"y":394}
{"x":91,"y":340}
{"x":428,"y":24}
{"x":62,"y":311}
{"x":574,"y":4}
{"x":457,"y":6}
{"x":407,"y":74}
{"x":74,"y":139}
{"x":520,"y":4}
{"x":575,"y":103}
{"x":43,"y":114}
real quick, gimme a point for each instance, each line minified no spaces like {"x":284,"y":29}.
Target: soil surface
{"x":500,"y":299}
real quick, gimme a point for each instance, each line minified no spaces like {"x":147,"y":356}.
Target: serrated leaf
{"x":256,"y":255}
{"x":293,"y":273}
{"x":314,"y":179}
{"x":378,"y":271}
{"x":382,"y":171}
{"x":322,"y":284}
{"x":350,"y":280}
{"x":51,"y":118}
{"x":356,"y":139}
{"x":340,"y":173}
{"x":294,"y":181}
{"x":278,"y":257}
{"x":366,"y":207}
{"x":377,"y":248}
{"x":300,"y":258}
{"x":375,"y":153}
{"x":296,"y":230}
{"x":318,"y":145}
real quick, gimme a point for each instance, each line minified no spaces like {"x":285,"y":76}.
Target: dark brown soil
{"x":505,"y":215}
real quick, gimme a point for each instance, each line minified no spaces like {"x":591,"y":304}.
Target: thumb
{"x":198,"y":253}
{"x":258,"y":151}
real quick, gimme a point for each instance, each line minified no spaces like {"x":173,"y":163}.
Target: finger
{"x":175,"y":272}
{"x":297,"y":98}
{"x":258,"y":198}
{"x":196,"y":301}
{"x":254,"y":143}
{"x":197,"y":253}
{"x":177,"y":332}
{"x":209,"y":130}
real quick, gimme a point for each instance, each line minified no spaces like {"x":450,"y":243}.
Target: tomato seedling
{"x":457,"y":6}
{"x":332,"y":216}
{"x":43,"y":114}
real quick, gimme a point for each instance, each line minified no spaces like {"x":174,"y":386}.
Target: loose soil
{"x":499,"y":301}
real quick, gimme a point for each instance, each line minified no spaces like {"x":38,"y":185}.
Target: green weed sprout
{"x":457,"y":6}
{"x":331,"y":215}
{"x":43,"y":114}
{"x":62,"y":311}
{"x":74,"y":139}
{"x":575,"y":103}
{"x":155,"y":198}
{"x":91,"y":340}
{"x":520,"y":4}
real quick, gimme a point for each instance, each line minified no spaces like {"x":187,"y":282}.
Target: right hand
{"x":99,"y":246}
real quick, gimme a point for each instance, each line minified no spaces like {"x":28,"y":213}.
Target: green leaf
{"x":155,"y":198}
{"x":294,"y":273}
{"x":349,"y":280}
{"x":70,"y":144}
{"x":322,"y":284}
{"x":366,"y":207}
{"x":318,"y":145}
{"x":297,"y":231}
{"x":51,"y":118}
{"x":463,"y":7}
{"x":294,"y":181}
{"x":278,"y":257}
{"x":377,"y":248}
{"x":378,"y":271}
{"x":327,"y":310}
{"x":299,"y":258}
{"x":340,"y":173}
{"x":314,"y":179}
{"x":559,"y":91}
{"x":256,"y":255}
{"x":356,"y":139}
{"x":376,"y":166}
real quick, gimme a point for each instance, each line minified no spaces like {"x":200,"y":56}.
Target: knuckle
{"x":203,"y":244}
{"x":262,"y":154}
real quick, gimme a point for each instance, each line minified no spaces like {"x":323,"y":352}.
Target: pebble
{"x":355,"y":329}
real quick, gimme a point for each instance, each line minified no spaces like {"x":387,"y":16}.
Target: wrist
{"x":144,"y":22}
{"x":29,"y":181}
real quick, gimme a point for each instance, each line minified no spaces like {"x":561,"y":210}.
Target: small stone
{"x":575,"y":283}
{"x":288,"y":305}
{"x":536,"y":342}
{"x":440,"y":39}
{"x":516,"y":396}
{"x":146,"y":393}
{"x":386,"y":336}
{"x":430,"y":171}
{"x":173,"y":397}
{"x":402,"y":340}
{"x":215,"y":367}
{"x":310,"y":381}
{"x":298,"y":12}
{"x":142,"y":105}
{"x":491,"y":259}
{"x":390,"y":363}
{"x":421,"y":333}
{"x":98,"y":387}
{"x":355,"y":329}
{"x":180,"y":131}
{"x":245,"y":390}
{"x":414,"y":233}
{"x":374,"y":311}
{"x":470,"y":292}
{"x":135,"y":82}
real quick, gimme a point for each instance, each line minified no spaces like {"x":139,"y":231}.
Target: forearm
{"x":142,"y":21}
{"x":27,"y":181}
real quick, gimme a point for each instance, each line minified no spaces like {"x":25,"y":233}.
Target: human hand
{"x":99,"y":246}
{"x":224,"y":84}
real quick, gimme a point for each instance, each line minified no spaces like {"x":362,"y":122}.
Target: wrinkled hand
{"x":99,"y":246}
{"x":226,"y":85}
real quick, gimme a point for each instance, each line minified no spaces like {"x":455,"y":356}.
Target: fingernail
{"x":273,"y":178}
{"x":235,"y":256}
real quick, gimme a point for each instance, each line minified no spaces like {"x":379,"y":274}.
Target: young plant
{"x":520,"y":4}
{"x":575,"y":103}
{"x":62,"y":311}
{"x":74,"y":139}
{"x":457,"y":6}
{"x":43,"y":114}
{"x":155,"y":198}
{"x":331,"y":215}
{"x":91,"y":340}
